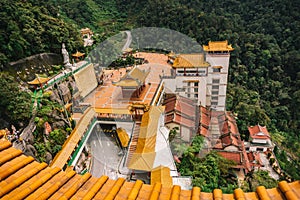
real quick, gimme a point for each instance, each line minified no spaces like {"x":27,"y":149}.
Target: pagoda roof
{"x":134,"y":78}
{"x":38,"y":80}
{"x":259,"y":132}
{"x":78,"y":54}
{"x":190,"y":61}
{"x":218,"y":46}
{"x":180,"y":110}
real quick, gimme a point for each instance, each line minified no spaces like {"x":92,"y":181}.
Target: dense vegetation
{"x":48,"y":144}
{"x":15,"y":104}
{"x":258,"y":178}
{"x":264,"y":68}
{"x":210,"y":172}
{"x":27,"y":29}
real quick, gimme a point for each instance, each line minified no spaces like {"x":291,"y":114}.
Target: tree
{"x":259,"y":178}
{"x":209,"y":172}
{"x":15,"y":103}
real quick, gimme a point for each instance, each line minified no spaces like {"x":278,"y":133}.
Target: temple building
{"x":259,"y":139}
{"x":133,"y":83}
{"x":181,"y":112}
{"x":202,"y":76}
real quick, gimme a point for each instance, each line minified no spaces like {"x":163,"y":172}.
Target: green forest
{"x":264,"y":78}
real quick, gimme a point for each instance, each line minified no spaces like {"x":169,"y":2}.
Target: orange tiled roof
{"x":180,"y":110}
{"x":228,"y":123}
{"x":204,"y":121}
{"x":230,"y":155}
{"x":259,"y":132}
{"x":227,"y":140}
{"x":21,"y":177}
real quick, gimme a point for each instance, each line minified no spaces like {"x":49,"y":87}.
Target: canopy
{"x":123,"y":136}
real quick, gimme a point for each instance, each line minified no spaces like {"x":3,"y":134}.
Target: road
{"x":128,"y":41}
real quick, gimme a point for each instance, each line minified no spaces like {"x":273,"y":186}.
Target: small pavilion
{"x":39,"y":81}
{"x":133,"y":83}
{"x":78,"y":56}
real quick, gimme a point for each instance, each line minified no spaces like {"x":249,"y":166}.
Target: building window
{"x":215,"y":98}
{"x":214,"y":81}
{"x":196,"y":84}
{"x":216,"y":69}
{"x":260,"y":149}
{"x":214,"y":103}
{"x":216,"y":92}
{"x":215,"y":87}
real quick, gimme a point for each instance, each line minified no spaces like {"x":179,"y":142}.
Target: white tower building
{"x":202,"y":76}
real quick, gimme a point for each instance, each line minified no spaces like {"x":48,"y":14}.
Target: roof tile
{"x":19,"y":178}
{"x":9,"y":154}
{"x":4,"y":144}
{"x":51,"y":186}
{"x":105,"y":189}
{"x":115,"y":189}
{"x":262,"y":193}
{"x":14,"y":165}
{"x":218,"y":195}
{"x":31,"y":180}
{"x":89,"y":188}
{"x":145,"y":192}
{"x":135,"y":190}
{"x":32,"y":184}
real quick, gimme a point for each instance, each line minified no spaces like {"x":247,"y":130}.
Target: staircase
{"x":133,"y":143}
{"x":214,"y":130}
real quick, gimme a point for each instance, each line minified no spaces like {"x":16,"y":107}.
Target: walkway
{"x":63,"y":156}
{"x":268,"y":167}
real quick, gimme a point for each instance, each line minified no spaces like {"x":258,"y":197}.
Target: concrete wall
{"x":86,"y":80}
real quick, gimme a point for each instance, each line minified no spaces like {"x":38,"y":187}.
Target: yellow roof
{"x":78,"y":54}
{"x":133,"y":78}
{"x":38,"y":80}
{"x":120,"y":111}
{"x":127,"y":82}
{"x":22,"y":177}
{"x":161,"y":175}
{"x":218,"y":46}
{"x":123,"y":136}
{"x":190,"y":61}
{"x":144,"y":155}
